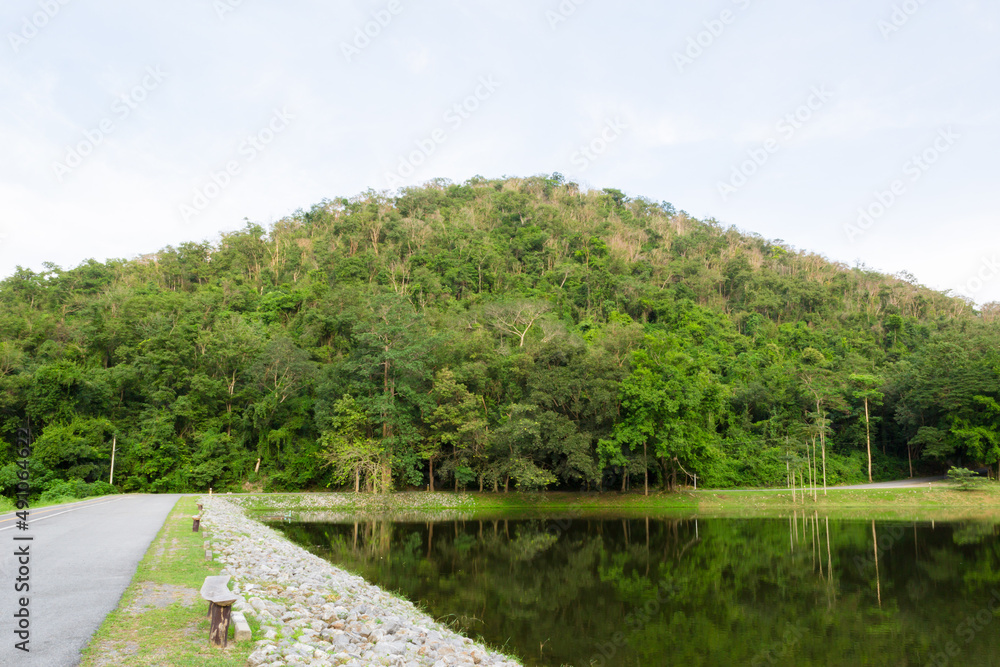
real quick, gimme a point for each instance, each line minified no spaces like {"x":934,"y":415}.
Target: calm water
{"x":797,"y":591}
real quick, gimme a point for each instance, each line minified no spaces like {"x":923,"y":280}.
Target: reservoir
{"x":641,"y":591}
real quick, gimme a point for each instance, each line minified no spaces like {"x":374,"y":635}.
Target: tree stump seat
{"x":220,"y":601}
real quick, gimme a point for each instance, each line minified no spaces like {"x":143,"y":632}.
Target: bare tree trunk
{"x":389,"y":390}
{"x":822,"y":442}
{"x":645,"y":472}
{"x":815,"y":472}
{"x":810,"y":468}
{"x":868,"y":435}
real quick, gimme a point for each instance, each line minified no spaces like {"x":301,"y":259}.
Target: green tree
{"x":458,"y":428}
{"x":349,"y":449}
{"x":671,"y":403}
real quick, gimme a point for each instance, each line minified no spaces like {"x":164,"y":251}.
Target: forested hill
{"x":516,"y":333}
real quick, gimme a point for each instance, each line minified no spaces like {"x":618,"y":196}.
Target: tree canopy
{"x":516,"y":333}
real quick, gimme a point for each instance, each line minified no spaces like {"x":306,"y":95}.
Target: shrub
{"x":73,"y":489}
{"x":963,"y":478}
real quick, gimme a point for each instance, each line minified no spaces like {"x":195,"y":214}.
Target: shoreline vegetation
{"x":940,"y":501}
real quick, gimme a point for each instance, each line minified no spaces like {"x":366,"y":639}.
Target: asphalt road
{"x":897,"y":484}
{"x":82,"y":558}
{"x":912,"y":482}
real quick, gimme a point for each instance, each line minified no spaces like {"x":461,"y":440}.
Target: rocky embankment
{"x":312,"y":613}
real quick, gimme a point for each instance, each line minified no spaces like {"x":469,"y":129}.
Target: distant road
{"x":83,"y":556}
{"x":896,"y":484}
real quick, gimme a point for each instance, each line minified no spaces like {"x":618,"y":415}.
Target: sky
{"x":864,"y":131}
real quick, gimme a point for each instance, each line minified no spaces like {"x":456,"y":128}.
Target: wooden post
{"x":199,"y":507}
{"x":868,"y":435}
{"x":219,"y":632}
{"x":114,"y":443}
{"x":194,"y":526}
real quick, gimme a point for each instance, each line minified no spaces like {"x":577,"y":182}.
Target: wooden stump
{"x":219,"y":615}
{"x":220,"y":600}
{"x":197,"y":522}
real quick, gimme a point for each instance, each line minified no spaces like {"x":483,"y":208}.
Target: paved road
{"x":897,"y":484}
{"x":82,"y":558}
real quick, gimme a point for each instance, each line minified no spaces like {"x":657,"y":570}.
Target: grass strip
{"x":161,"y":618}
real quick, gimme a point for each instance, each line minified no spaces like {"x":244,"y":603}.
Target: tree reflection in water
{"x":805,"y":590}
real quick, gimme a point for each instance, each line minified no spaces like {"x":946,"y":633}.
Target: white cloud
{"x":559,"y":87}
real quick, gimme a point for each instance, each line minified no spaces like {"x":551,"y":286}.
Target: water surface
{"x":803,"y":590}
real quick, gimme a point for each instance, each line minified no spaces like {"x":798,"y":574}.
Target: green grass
{"x":140,"y":635}
{"x":940,"y":501}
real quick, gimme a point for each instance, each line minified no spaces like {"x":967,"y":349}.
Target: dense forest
{"x":513,"y":334}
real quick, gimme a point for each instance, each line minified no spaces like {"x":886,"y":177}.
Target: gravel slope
{"x":313,"y":613}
